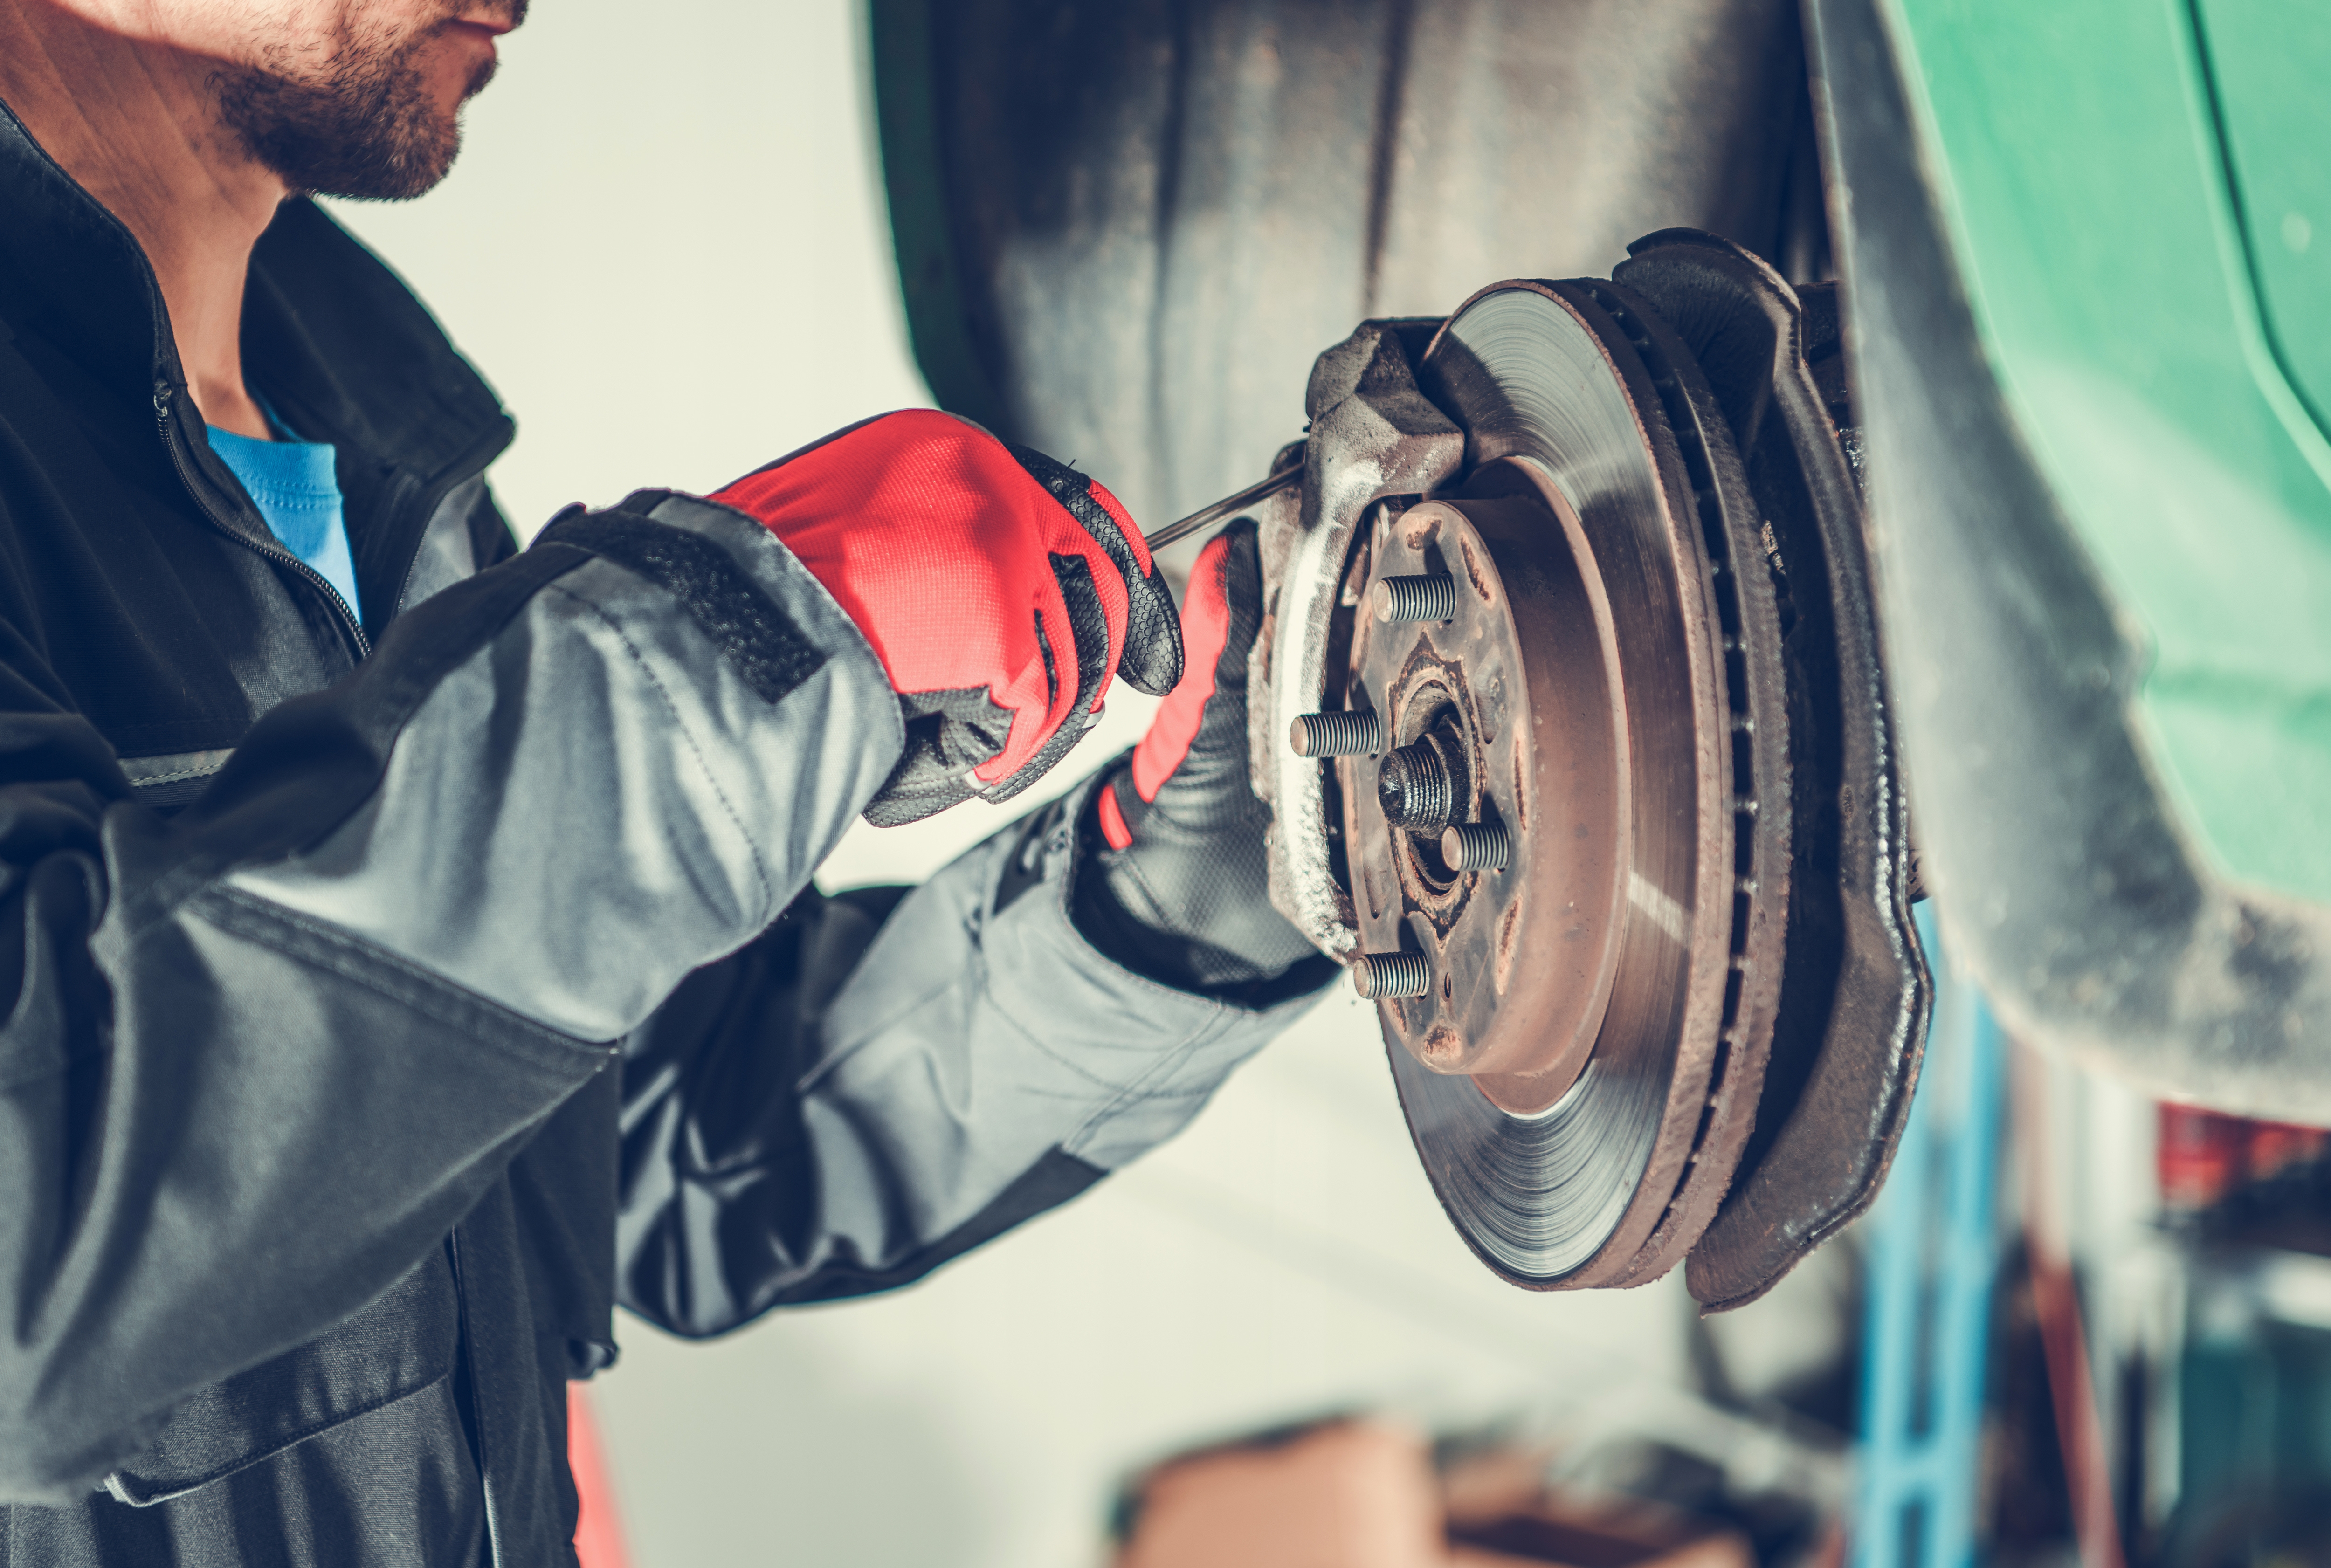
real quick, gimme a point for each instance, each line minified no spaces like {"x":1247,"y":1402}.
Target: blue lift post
{"x":1934,"y":1248}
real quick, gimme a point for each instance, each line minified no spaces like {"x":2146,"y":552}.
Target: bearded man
{"x":406,"y":949}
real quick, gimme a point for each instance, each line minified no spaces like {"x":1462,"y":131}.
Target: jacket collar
{"x":83,"y":277}
{"x":329,"y":333}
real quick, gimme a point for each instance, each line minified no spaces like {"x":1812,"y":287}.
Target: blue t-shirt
{"x":298,"y":492}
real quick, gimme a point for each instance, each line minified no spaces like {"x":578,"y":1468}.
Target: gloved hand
{"x":1000,"y":589}
{"x":1182,"y":891}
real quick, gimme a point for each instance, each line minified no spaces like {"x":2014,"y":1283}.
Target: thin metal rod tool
{"x":1227,"y":508}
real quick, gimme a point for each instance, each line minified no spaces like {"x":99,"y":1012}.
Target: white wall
{"x":666,"y":248}
{"x":664,"y":244}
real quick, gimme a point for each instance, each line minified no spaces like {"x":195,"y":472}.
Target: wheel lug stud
{"x":1351,"y":734}
{"x":1384,"y":977}
{"x":1476,"y":846}
{"x":1430,"y":596}
{"x":1414,"y":787}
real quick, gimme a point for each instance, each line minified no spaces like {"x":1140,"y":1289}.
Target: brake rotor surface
{"x":1597,"y":691}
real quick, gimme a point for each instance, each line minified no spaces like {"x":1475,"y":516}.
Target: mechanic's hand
{"x":1000,"y":589}
{"x":1182,"y":891}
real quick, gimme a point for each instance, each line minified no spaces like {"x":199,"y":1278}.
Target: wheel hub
{"x":1509,"y":713}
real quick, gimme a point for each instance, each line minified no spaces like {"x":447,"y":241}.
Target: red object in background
{"x":2198,"y":1157}
{"x":2276,"y":1149}
{"x":598,"y":1532}
{"x":2203,"y":1157}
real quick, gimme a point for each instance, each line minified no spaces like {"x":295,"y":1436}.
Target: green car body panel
{"x":2139,"y":197}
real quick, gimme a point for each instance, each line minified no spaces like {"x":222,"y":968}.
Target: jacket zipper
{"x":163,"y":398}
{"x":164,"y":404}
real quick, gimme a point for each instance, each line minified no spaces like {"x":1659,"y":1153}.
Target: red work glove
{"x":1000,"y":589}
{"x":1181,"y":891}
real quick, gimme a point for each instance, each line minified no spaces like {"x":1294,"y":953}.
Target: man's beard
{"x":366,"y":126}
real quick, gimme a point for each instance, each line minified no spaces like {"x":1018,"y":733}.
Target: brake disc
{"x":1591,"y":756}
{"x":1587,"y":692}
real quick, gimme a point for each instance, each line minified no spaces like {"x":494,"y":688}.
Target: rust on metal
{"x":1524,"y":686}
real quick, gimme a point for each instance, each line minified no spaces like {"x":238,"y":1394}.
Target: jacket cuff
{"x":1163,"y":1047}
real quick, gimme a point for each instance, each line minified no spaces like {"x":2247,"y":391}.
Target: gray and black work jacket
{"x":388,"y":989}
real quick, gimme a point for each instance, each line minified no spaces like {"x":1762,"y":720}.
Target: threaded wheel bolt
{"x":1382,"y":977}
{"x":1352,"y":734}
{"x":1414,"y":787}
{"x":1430,"y":596}
{"x":1476,"y":846}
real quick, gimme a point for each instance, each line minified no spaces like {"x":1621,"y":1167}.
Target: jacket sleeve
{"x":258,"y":1058}
{"x":889,"y":1078}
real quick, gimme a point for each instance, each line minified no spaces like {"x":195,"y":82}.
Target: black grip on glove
{"x":1181,"y":891}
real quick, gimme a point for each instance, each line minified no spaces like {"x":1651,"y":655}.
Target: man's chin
{"x":392,"y":159}
{"x":386,"y":135}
